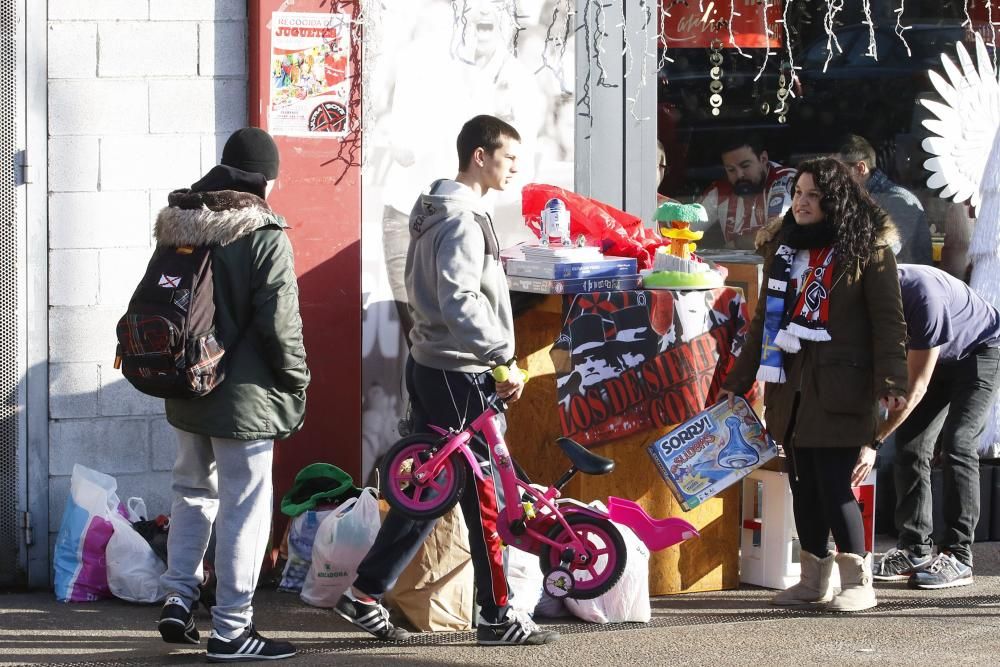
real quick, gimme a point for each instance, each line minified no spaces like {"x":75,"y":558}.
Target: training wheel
{"x":559,"y":582}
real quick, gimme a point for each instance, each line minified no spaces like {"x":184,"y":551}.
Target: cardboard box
{"x":712,"y":451}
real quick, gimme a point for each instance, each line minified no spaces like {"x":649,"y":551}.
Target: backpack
{"x":167,"y":346}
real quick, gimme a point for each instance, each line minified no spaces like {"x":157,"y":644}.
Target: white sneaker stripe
{"x":369,"y":615}
{"x":249,"y":642}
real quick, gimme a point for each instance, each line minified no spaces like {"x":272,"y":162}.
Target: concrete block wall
{"x":142,"y":95}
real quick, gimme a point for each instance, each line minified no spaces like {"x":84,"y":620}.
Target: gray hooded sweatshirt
{"x":458,"y":293}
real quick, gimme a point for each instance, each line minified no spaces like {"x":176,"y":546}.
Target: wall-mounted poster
{"x":310,"y":74}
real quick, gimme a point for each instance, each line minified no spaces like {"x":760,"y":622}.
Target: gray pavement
{"x":954,"y":627}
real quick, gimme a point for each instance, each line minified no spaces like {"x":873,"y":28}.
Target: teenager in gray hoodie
{"x":462,"y":326}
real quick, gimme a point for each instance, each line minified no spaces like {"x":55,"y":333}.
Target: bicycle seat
{"x":585,"y":461}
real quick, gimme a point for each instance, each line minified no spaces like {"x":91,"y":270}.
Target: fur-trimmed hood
{"x":212,"y":218}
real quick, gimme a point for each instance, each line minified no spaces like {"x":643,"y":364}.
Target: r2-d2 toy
{"x":555,"y":223}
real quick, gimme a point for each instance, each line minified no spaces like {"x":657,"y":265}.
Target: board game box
{"x":711,"y":451}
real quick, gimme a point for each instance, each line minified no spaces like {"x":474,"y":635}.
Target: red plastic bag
{"x":615,"y":232}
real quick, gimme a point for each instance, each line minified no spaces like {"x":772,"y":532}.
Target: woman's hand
{"x":729,"y":398}
{"x":866,"y":461}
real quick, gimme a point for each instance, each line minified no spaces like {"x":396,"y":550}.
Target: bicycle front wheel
{"x":430,"y":498}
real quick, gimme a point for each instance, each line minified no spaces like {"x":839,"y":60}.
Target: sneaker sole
{"x":219,"y":657}
{"x":892,"y":577}
{"x":967,"y":581}
{"x":174,"y":632}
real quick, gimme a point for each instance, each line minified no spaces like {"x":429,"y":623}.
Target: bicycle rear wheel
{"x":425,"y":500}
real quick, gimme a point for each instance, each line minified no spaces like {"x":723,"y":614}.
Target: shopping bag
{"x":342,"y":540}
{"x":301,"y":536}
{"x":628,"y":600}
{"x":134,"y":569}
{"x":525,"y":580}
{"x":436,"y":591}
{"x":80,"y":568}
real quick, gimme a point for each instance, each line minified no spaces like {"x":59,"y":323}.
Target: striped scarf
{"x":784,"y":327}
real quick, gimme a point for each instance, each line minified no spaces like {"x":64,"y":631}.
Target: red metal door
{"x":319,"y":192}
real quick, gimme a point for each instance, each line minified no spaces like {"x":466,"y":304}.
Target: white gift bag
{"x":342,"y":541}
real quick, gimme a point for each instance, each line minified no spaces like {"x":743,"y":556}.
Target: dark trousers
{"x":444,"y":398}
{"x":822,"y":500}
{"x":955,"y":407}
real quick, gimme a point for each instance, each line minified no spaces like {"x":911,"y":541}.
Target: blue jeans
{"x":955,"y":407}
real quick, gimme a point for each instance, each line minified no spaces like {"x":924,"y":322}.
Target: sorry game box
{"x":711,"y":451}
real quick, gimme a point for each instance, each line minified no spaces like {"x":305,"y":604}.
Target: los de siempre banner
{"x":627,"y":362}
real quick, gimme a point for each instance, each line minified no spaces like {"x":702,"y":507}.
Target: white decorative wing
{"x":965,"y":124}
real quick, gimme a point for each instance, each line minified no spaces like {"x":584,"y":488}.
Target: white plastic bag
{"x":628,"y":600}
{"x":524,"y":576}
{"x":342,"y":541}
{"x":133,"y":568}
{"x":136,"y":509}
{"x":301,"y":536}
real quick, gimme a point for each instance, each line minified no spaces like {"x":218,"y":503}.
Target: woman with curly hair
{"x":828,"y":339}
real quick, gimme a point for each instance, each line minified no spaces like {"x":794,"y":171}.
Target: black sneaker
{"x":899,"y":565}
{"x":945,"y":571}
{"x":370,"y":617}
{"x":176,"y":624}
{"x":517,"y":629}
{"x":249,"y":645}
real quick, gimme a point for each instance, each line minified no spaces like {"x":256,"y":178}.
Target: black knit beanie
{"x":252,"y":149}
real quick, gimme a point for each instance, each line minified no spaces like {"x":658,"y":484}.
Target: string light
{"x":872,"y":52}
{"x":993,"y":31}
{"x":900,"y":28}
{"x":832,"y":7}
{"x":968,"y":19}
{"x":559,"y":42}
{"x":600,"y":34}
{"x":661,"y":36}
{"x":767,"y":38}
{"x":732,"y":39}
{"x":788,"y":48}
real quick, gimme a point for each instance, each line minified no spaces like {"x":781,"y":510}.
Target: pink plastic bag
{"x":615,"y":232}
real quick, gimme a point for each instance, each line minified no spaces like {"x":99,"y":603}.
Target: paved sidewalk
{"x":954,"y":627}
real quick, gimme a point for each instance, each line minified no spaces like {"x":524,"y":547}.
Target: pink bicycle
{"x":581,"y":551}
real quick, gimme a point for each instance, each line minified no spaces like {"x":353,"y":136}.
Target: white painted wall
{"x":142,"y":95}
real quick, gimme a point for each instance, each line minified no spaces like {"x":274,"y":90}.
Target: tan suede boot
{"x":813,"y":586}
{"x":856,"y":592}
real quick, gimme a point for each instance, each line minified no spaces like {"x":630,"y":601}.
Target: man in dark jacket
{"x":953,"y":355}
{"x":225,"y":439}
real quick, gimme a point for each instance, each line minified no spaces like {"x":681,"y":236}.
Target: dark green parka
{"x":841,"y":379}
{"x":257,"y":309}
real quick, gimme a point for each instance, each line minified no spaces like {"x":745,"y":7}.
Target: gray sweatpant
{"x":227,"y":482}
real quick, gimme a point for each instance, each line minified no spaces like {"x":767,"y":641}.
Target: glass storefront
{"x":716,"y":91}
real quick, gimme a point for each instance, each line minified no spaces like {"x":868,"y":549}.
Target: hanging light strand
{"x":866,"y":7}
{"x":557,"y":44}
{"x":767,"y":38}
{"x":647,"y":58}
{"x":661,"y":36}
{"x":788,"y":49}
{"x":993,"y":31}
{"x":900,"y":28}
{"x":599,"y":37}
{"x":729,"y":24}
{"x":832,"y":8}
